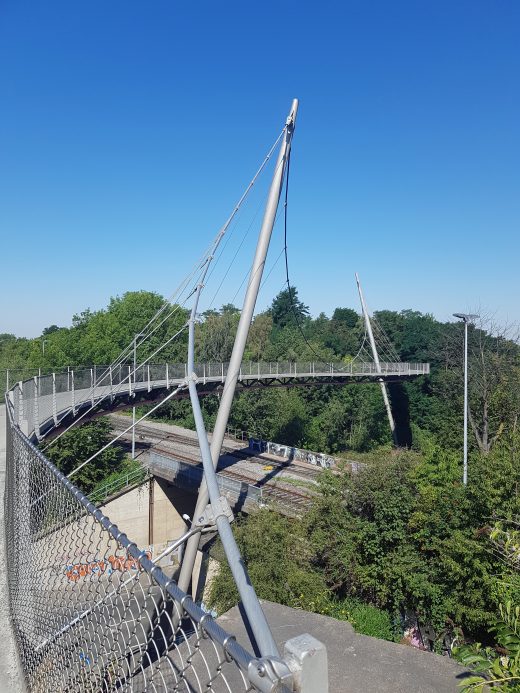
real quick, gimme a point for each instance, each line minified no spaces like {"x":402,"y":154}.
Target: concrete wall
{"x":132,"y":512}
{"x":154,"y":520}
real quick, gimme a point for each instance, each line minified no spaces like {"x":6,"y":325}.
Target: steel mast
{"x":373,"y":347}
{"x":241,"y":335}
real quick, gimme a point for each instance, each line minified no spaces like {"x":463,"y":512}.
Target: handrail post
{"x":54,"y":403}
{"x":148,"y":370}
{"x":36,"y":418}
{"x":20,"y":404}
{"x":72,"y":394}
{"x":92,"y":386}
{"x":167,"y":378}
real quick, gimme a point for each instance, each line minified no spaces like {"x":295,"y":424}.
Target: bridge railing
{"x":45,"y":398}
{"x":93,"y":612}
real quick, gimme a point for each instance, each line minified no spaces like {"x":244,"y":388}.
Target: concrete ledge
{"x":357,"y":662}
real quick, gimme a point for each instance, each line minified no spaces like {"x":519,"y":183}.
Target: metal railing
{"x":93,"y":612}
{"x":45,"y":399}
{"x":101,"y":493}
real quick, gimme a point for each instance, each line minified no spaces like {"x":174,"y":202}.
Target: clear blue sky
{"x":128,"y":130}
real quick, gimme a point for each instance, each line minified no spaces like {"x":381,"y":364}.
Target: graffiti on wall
{"x":316,"y":458}
{"x":113,"y":564}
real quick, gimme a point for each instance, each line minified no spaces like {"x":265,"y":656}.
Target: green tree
{"x":77,"y":445}
{"x":287,"y":309}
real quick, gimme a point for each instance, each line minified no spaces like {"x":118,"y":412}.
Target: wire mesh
{"x":44,"y":400}
{"x":91,"y":611}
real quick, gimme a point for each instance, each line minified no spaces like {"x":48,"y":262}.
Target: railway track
{"x":156,"y":436}
{"x":275,"y":490}
{"x":271,"y":492}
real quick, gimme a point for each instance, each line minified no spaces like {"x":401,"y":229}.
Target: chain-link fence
{"x":92,"y":612}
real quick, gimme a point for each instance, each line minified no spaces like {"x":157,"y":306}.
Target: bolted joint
{"x":215,"y":510}
{"x":270,"y":675}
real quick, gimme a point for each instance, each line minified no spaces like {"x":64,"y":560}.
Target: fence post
{"x":130,"y":381}
{"x":72,"y":393}
{"x":7,"y":380}
{"x":92,"y":386}
{"x":306,"y":657}
{"x":148,"y":374}
{"x":111,"y":387}
{"x":222,"y":371}
{"x":54,"y":404}
{"x":20,"y":404}
{"x":204,"y":373}
{"x":68,"y":378}
{"x":36,"y":418}
{"x":167,"y":378}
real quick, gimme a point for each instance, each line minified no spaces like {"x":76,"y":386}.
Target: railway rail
{"x":155,"y":435}
{"x":276,"y":491}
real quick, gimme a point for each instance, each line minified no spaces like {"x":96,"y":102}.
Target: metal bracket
{"x":307,"y":659}
{"x":270,"y":675}
{"x":212,"y":512}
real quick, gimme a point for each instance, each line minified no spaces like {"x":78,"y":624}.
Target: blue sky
{"x":128,"y":130}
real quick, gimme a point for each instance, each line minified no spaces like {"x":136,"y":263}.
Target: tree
{"x":346,"y":316}
{"x":287,"y":309}
{"x":259,"y":337}
{"x":50,"y":330}
{"x":216,"y":336}
{"x":77,"y":445}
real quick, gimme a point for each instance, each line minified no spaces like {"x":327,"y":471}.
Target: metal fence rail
{"x":43,"y":400}
{"x":92,"y":612}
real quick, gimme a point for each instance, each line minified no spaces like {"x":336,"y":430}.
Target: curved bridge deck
{"x":48,"y":402}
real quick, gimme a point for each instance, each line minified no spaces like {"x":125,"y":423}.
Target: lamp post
{"x":133,"y":408}
{"x":466,"y":318}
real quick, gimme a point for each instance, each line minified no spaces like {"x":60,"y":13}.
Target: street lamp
{"x":141,"y":334}
{"x":466,"y":318}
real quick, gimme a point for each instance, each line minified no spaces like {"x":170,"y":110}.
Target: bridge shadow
{"x":401,"y":410}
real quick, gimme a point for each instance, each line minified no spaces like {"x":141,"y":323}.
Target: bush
{"x":365,"y":618}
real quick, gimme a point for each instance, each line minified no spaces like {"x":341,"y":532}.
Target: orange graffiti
{"x":112,"y":564}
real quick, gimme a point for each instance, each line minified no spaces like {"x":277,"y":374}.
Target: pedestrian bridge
{"x":47,"y":402}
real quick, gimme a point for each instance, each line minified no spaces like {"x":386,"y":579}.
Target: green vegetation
{"x":77,"y":445}
{"x":129,"y":471}
{"x":405,"y":533}
{"x":499,"y":666}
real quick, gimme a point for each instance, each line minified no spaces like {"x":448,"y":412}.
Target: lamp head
{"x":466,"y":317}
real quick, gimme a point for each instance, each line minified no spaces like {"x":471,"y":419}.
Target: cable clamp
{"x":270,"y":675}
{"x":215,"y":510}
